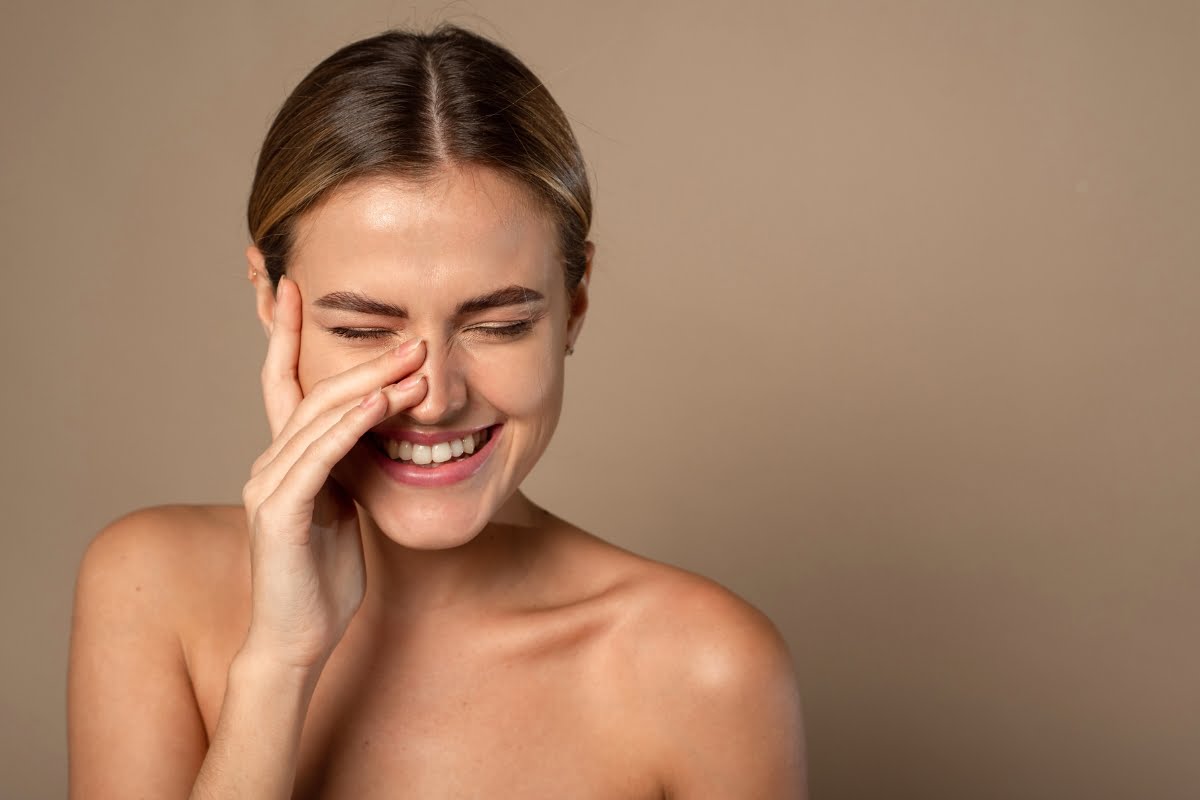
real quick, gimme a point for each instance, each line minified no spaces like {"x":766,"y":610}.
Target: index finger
{"x":280,"y":380}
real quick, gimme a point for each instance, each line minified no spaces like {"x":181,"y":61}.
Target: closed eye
{"x":509,"y":331}
{"x":504,"y":331}
{"x":359,"y":333}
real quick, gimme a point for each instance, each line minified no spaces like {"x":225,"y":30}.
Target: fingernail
{"x":371,"y":399}
{"x":410,"y":381}
{"x":408,"y":347}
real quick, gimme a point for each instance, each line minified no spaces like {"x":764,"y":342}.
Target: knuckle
{"x":315,"y":449}
{"x":250,"y":494}
{"x":321,"y":387}
{"x":270,"y":454}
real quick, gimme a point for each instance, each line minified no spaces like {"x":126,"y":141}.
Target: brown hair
{"x":411,"y":104}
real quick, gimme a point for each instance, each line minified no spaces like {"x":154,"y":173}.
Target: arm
{"x":257,"y":740}
{"x":132,"y":723}
{"x":134,"y":729}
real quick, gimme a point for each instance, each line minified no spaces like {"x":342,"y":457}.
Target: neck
{"x":486,"y":572}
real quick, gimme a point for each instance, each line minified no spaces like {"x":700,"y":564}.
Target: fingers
{"x":280,"y":382}
{"x":288,"y":409}
{"x":305,"y":477}
{"x":347,"y":420}
{"x":339,"y":392}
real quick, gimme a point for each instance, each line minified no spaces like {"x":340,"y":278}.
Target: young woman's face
{"x":494,"y":364}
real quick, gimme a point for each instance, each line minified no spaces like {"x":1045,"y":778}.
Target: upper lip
{"x":420,"y":437}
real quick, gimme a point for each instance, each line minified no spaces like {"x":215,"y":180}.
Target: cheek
{"x":520,"y":381}
{"x":317,"y":362}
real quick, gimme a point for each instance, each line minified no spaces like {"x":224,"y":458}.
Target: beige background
{"x":894,"y":331}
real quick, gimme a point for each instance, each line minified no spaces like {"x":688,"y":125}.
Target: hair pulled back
{"x":410,"y":105}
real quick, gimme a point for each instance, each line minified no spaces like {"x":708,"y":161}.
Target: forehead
{"x":469,"y":226}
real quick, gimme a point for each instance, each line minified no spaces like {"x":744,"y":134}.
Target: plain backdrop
{"x":894,"y":332}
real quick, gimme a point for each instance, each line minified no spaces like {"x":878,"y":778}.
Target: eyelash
{"x":497,"y":331}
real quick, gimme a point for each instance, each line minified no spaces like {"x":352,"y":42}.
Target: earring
{"x":253,"y":274}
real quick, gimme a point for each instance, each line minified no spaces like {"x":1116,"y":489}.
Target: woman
{"x":387,"y":614}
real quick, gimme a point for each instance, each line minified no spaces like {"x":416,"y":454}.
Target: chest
{"x":413,"y":720}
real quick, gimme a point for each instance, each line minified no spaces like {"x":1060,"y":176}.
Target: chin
{"x":414,"y":517}
{"x":421,"y":527}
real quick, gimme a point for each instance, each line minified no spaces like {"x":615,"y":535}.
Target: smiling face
{"x":470,"y":265}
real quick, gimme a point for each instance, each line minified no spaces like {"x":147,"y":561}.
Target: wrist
{"x":255,"y":666}
{"x":256,"y":745}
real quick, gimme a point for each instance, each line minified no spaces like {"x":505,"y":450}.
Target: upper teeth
{"x":434,"y":453}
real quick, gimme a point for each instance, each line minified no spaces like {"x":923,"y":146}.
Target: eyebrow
{"x":361,"y":304}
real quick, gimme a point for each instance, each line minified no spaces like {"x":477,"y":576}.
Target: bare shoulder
{"x":694,"y":622}
{"x":706,"y":638}
{"x":675,"y":625}
{"x":713,"y":683}
{"x":133,"y":721}
{"x":159,"y":552}
{"x":165,"y":533}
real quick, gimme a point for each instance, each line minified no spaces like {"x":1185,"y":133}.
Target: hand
{"x":307,"y":572}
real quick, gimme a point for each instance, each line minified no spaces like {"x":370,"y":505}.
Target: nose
{"x":446,"y":386}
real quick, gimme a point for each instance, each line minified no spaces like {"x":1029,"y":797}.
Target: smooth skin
{"x":341,"y":635}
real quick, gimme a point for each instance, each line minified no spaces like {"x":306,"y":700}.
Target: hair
{"x":410,"y":105}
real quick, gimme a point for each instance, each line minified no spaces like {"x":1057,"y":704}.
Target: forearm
{"x":255,"y":747}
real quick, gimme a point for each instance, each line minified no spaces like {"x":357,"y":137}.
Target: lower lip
{"x":445,"y":474}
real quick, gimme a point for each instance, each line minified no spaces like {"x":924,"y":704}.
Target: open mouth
{"x":432,"y":456}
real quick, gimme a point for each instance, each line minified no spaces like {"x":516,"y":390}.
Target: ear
{"x":264,"y":292}
{"x":579,"y":303}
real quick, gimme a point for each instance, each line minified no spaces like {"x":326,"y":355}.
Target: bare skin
{"x":461,"y":641}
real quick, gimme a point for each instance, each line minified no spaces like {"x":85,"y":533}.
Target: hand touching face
{"x":471,"y":266}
